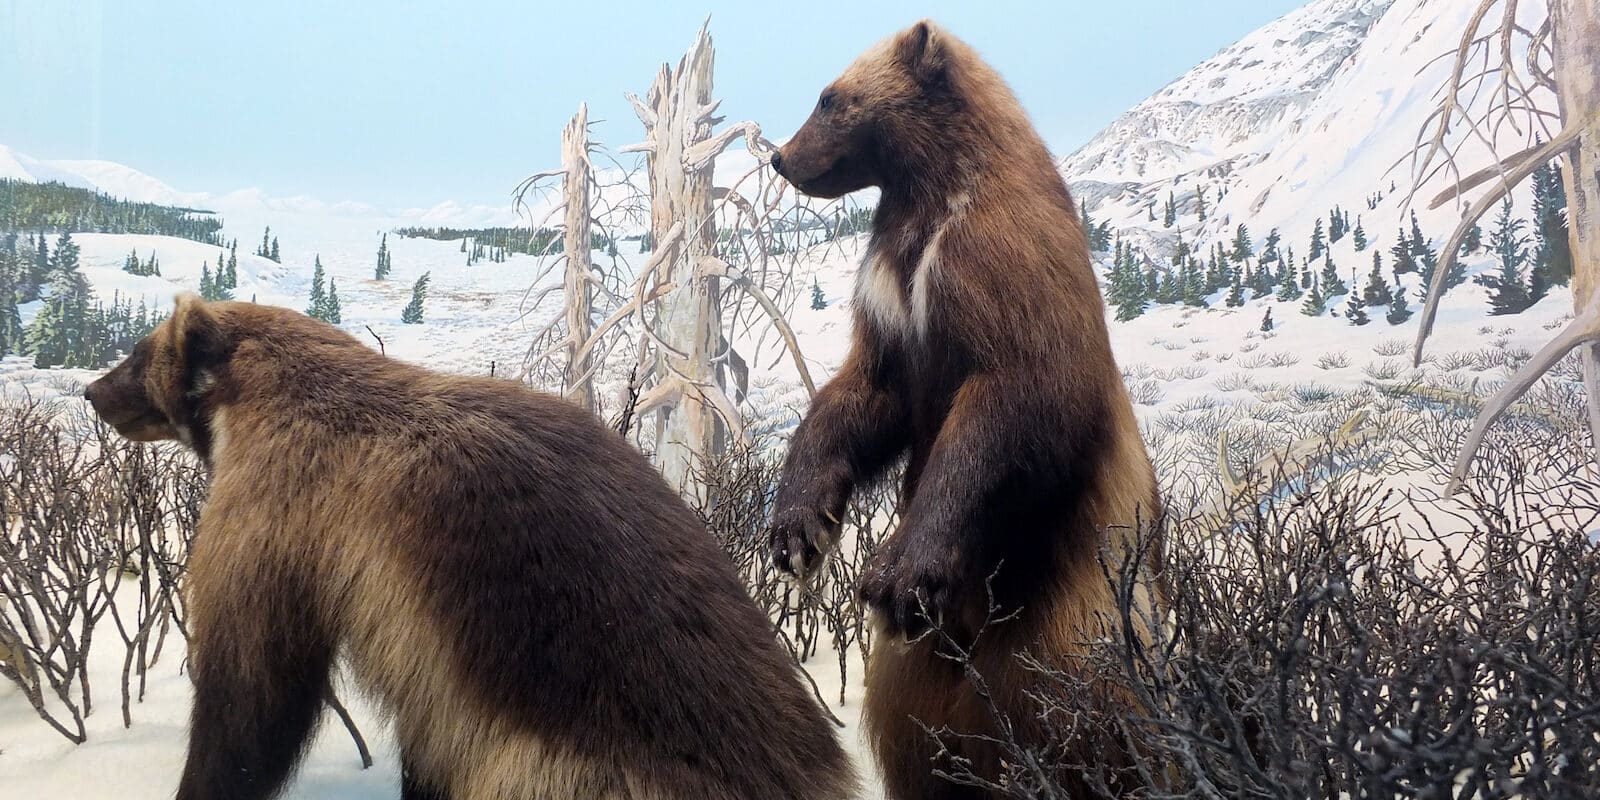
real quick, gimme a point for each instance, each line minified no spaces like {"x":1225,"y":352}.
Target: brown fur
{"x":540,"y":614}
{"x":981,"y":356}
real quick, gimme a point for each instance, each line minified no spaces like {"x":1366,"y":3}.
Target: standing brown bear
{"x":540,"y":614}
{"x":981,"y":357}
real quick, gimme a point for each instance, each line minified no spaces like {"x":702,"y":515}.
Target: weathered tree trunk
{"x":1576,"y":41}
{"x":576,"y":244}
{"x":677,"y":115}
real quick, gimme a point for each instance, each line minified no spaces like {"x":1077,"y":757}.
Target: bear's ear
{"x":921,"y":50}
{"x":196,"y":335}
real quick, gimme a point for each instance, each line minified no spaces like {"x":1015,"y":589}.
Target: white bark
{"x":1575,"y":36}
{"x":688,"y":325}
{"x":579,"y":379}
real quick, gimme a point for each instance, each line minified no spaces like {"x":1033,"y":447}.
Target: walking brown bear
{"x":538,"y":612}
{"x":981,"y":357}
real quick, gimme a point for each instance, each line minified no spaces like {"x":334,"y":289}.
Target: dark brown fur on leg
{"x":253,"y":716}
{"x":853,"y":432}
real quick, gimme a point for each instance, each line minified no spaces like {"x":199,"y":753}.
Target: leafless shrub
{"x":95,"y":535}
{"x":1249,"y":347}
{"x":1279,"y":359}
{"x":1235,"y":381}
{"x":1183,"y":372}
{"x":1385,"y":370}
{"x":1335,"y":641}
{"x":1146,"y":392}
{"x":1391,"y":347}
{"x":1338,"y":360}
{"x":88,"y":518}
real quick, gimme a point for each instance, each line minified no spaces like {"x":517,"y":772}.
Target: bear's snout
{"x":777,"y":163}
{"x":93,"y":393}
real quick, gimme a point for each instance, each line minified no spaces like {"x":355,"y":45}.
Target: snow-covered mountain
{"x":1318,"y":108}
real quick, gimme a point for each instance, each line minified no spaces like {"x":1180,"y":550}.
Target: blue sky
{"x":410,"y":103}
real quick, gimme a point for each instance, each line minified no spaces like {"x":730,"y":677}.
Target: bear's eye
{"x":826,"y":102}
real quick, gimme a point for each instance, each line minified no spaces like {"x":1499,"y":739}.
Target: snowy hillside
{"x":1319,"y":108}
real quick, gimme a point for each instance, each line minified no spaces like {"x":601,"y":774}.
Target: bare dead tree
{"x":1561,"y":59}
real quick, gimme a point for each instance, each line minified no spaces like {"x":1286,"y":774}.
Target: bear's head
{"x":156,"y":392}
{"x":864,"y":120}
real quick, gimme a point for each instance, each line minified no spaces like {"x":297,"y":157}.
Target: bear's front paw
{"x":801,"y":537}
{"x":913,"y":586}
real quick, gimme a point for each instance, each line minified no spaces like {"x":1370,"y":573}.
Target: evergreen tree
{"x":1266,"y":321}
{"x":1128,"y":292}
{"x":1552,"y":256}
{"x":36,"y":273}
{"x":1419,"y":243}
{"x":1332,"y":284}
{"x":1472,"y":242}
{"x":1315,"y":304}
{"x":1242,"y":249}
{"x":1200,"y":203}
{"x":230,"y":276}
{"x":1180,"y":252}
{"x":1377,"y":291}
{"x":275,"y":257}
{"x":818,"y":302}
{"x":1261,"y":283}
{"x":1405,"y":259}
{"x":1288,"y":285}
{"x":382,"y":270}
{"x":1236,"y":293}
{"x":1269,"y":247}
{"x":412,"y":313}
{"x":1335,"y":226}
{"x":645,"y":242}
{"x":1194,"y":284}
{"x":1360,"y":236}
{"x":1356,"y":311}
{"x":11,"y":335}
{"x":1317,"y":245}
{"x":131,"y":264}
{"x":266,"y":246}
{"x":1151,"y":210}
{"x":318,"y":306}
{"x":1218,"y":275}
{"x":1508,"y":293}
{"x":1170,"y":215}
{"x":208,"y":286}
{"x":1171,"y":290}
{"x":56,"y":337}
{"x":1398,"y":310}
{"x":331,"y":313}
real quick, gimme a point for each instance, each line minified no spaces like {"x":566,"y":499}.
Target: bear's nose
{"x":777,"y":162}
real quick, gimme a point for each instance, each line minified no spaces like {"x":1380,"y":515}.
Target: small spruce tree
{"x":1376,"y":292}
{"x":1356,"y":311}
{"x":317,"y":307}
{"x":412,"y":313}
{"x":1398,"y":311}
